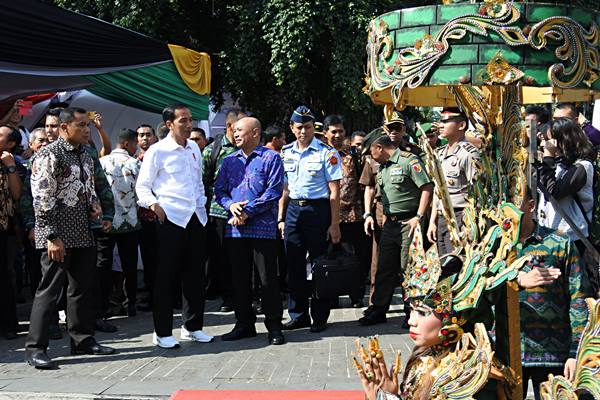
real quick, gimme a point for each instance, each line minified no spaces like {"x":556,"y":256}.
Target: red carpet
{"x":267,"y":395}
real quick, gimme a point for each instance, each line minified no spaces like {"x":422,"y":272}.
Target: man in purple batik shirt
{"x":249,"y":185}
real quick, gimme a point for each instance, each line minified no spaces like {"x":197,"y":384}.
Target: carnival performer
{"x":435,"y":329}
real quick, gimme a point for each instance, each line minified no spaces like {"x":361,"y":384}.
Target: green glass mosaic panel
{"x":584,"y":17}
{"x":512,"y":55}
{"x":447,"y":13}
{"x":461,"y":54}
{"x":392,"y":20}
{"x":406,"y":37}
{"x":449,"y":74}
{"x":419,"y":16}
{"x":538,"y":12}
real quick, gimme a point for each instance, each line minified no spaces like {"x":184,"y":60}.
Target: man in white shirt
{"x":170,"y":184}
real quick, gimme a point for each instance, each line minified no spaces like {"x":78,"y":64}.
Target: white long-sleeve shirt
{"x":171,"y":175}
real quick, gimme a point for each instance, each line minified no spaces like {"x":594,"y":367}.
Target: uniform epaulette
{"x":406,"y":154}
{"x":287,"y":146}
{"x":470,"y":147}
{"x":325,"y":145}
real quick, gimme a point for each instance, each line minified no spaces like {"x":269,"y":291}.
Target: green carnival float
{"x":489,"y":59}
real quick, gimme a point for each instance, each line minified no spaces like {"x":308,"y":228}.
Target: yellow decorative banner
{"x":193,"y":67}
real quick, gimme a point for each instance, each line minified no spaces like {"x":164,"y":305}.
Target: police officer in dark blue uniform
{"x":309,"y":215}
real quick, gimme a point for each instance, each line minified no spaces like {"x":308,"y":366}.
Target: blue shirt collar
{"x":313,"y":145}
{"x":259,"y":150}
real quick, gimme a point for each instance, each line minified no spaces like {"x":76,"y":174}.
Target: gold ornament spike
{"x":587,"y":375}
{"x":464,"y":371}
{"x":499,"y":71}
{"x":397,"y":364}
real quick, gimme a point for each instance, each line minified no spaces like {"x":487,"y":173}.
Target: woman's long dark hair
{"x":572,"y":141}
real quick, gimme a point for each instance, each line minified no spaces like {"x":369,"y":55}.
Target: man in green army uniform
{"x":406,"y":191}
{"x":459,"y":162}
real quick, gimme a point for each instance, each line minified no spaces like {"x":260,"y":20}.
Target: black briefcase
{"x":336,"y":272}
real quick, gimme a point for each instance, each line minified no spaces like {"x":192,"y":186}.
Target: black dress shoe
{"x":10,"y":335}
{"x":373,"y":318}
{"x":131,"y":310}
{"x":318,"y":327}
{"x":39,"y":359}
{"x":238,"y":333}
{"x":358,"y":304}
{"x":298,"y":323}
{"x":226,"y":307}
{"x":276,"y":338}
{"x":54,"y":332}
{"x":104,"y":326}
{"x":368,"y":310}
{"x":144,"y":307}
{"x":90,"y":346}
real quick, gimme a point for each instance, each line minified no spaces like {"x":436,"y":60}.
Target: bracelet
{"x":280,"y":221}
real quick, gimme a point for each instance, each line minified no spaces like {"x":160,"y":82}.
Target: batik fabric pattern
{"x":121,"y":172}
{"x":552,"y":316}
{"x":62,"y":186}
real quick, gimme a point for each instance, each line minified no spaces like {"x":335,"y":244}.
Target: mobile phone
{"x":25,"y":108}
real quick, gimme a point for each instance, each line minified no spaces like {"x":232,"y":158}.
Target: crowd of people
{"x":240,"y":216}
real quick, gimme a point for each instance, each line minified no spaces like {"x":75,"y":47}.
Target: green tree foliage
{"x":271,"y":55}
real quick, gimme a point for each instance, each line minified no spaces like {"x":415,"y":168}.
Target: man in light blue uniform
{"x":309,"y":215}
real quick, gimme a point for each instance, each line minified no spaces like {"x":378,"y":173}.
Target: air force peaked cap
{"x":301,"y":115}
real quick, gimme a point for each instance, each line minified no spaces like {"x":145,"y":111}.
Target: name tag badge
{"x":396,"y":171}
{"x":313,"y":166}
{"x":289,"y":166}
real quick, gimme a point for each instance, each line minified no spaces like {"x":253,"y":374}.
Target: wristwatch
{"x":12,"y":169}
{"x":51,"y":237}
{"x":420,"y":216}
{"x":366,"y":215}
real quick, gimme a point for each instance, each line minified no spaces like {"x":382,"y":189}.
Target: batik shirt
{"x":102,"y":188}
{"x":7,"y":209}
{"x":351,"y":195}
{"x":227,"y":148}
{"x":121,"y":172}
{"x":552,"y":316}
{"x":62,"y":186}
{"x":257,"y":179}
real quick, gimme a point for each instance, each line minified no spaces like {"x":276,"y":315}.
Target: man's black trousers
{"x":244,"y":254}
{"x":181,"y":258}
{"x":79,"y":269}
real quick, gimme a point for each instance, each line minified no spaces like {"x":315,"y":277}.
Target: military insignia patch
{"x":333,"y":160}
{"x":416,"y":168}
{"x":396,"y":171}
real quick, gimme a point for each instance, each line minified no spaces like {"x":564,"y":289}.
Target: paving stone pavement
{"x":307,"y":361}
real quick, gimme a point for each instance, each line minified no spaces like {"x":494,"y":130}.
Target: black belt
{"x":306,"y":202}
{"x":401,"y":216}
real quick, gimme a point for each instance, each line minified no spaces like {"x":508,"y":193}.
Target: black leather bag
{"x":336,"y":272}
